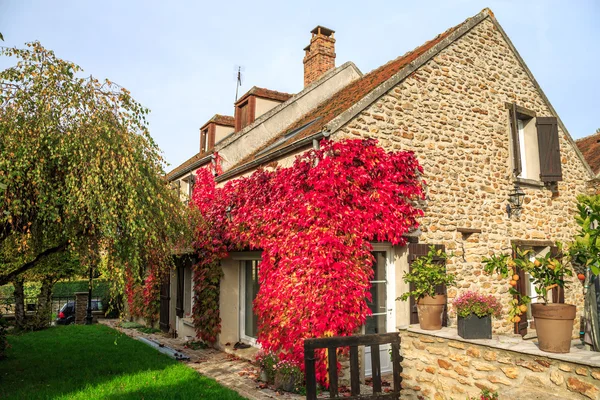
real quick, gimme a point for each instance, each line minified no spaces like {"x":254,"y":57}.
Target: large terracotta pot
{"x":431,"y":310}
{"x":554,"y":326}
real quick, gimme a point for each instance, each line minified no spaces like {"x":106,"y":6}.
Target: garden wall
{"x":441,"y":365}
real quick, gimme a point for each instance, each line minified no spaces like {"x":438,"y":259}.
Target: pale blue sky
{"x":178,"y":58}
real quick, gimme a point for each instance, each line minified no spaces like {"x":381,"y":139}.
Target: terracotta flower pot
{"x":431,"y":310}
{"x":554,"y":326}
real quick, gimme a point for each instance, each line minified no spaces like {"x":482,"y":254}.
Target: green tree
{"x":79,"y":171}
{"x":586,"y":248}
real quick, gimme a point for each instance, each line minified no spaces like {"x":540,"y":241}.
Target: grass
{"x":97,"y":362}
{"x":139,"y":327}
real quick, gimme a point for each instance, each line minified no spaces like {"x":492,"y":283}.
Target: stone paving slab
{"x":228,"y":370}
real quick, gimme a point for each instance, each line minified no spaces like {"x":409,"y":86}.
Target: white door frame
{"x":242,"y":304}
{"x":390,"y":277}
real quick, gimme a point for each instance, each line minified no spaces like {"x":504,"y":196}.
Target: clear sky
{"x":178,"y":58}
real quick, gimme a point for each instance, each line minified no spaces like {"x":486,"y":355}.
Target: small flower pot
{"x":474,"y":327}
{"x":263,"y":376}
{"x":286,"y":383}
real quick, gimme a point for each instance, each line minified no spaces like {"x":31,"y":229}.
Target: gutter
{"x":275,"y":155}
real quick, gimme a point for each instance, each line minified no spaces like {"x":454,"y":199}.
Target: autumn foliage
{"x":314,"y":223}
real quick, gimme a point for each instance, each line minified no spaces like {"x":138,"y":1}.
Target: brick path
{"x":226,"y":369}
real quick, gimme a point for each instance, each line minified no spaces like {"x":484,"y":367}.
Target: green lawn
{"x":97,"y":362}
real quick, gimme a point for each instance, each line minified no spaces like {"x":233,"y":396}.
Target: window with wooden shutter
{"x":549,"y":149}
{"x":416,"y":250}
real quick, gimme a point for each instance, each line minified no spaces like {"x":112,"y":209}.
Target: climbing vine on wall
{"x":314,"y":222}
{"x":143,"y":297}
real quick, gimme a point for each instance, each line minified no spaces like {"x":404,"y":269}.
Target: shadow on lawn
{"x":92,"y":362}
{"x":181,"y":391}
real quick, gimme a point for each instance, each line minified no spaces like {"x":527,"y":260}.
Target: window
{"x":535,"y":145}
{"x":204,"y":141}
{"x":184,"y":293}
{"x":249,"y":288}
{"x":377,"y":321}
{"x":190,"y":181}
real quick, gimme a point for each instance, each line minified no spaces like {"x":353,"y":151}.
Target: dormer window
{"x":535,"y":145}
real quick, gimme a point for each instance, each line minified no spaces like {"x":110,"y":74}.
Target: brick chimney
{"x":320,"y":54}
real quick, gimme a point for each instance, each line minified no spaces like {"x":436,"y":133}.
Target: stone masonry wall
{"x":452,"y":113}
{"x":438,"y":368}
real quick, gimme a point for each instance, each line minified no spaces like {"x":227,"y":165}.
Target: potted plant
{"x":267,"y":362}
{"x":428,"y":272}
{"x":553,"y":321}
{"x":474,"y":312}
{"x":287,"y":376}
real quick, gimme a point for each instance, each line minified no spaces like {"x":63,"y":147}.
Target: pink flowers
{"x":476,"y":303}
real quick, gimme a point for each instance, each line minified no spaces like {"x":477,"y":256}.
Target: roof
{"x":219,"y":119}
{"x":347,"y":97}
{"x":590,"y":148}
{"x":225,"y":120}
{"x":185,"y":165}
{"x":265,"y":94}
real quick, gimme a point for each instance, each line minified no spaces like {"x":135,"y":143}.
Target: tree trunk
{"x":43,"y":313}
{"x":19,"y":294}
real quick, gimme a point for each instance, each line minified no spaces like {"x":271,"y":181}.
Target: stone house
{"x":479,"y":123}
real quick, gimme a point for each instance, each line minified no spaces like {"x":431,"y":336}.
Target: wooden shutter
{"x":549,"y":149}
{"x":521,"y":326}
{"x":180,"y":288}
{"x":416,"y":250}
{"x":514,"y":132}
{"x":558,"y":293}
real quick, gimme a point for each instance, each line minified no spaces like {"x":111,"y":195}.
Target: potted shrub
{"x":287,"y":376}
{"x":474,"y":312}
{"x":553,"y":321}
{"x":428,"y":272}
{"x":267,"y":361}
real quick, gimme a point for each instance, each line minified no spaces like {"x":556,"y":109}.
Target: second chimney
{"x":320,"y":54}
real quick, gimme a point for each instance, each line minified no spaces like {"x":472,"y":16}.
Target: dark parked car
{"x":66,"y":315}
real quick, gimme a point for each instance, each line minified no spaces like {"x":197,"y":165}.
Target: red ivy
{"x":314,"y":222}
{"x":143,"y":298}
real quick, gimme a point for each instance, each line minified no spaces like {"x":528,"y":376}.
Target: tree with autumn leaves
{"x":79,"y":173}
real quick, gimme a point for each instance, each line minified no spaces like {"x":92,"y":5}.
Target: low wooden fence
{"x":333,"y":343}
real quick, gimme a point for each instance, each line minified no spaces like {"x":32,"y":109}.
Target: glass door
{"x":249,"y":289}
{"x":382,"y":304}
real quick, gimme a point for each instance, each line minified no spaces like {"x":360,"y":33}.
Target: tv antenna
{"x":238,"y":78}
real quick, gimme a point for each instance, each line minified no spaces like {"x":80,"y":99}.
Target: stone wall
{"x":452,"y":113}
{"x":440,"y":368}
